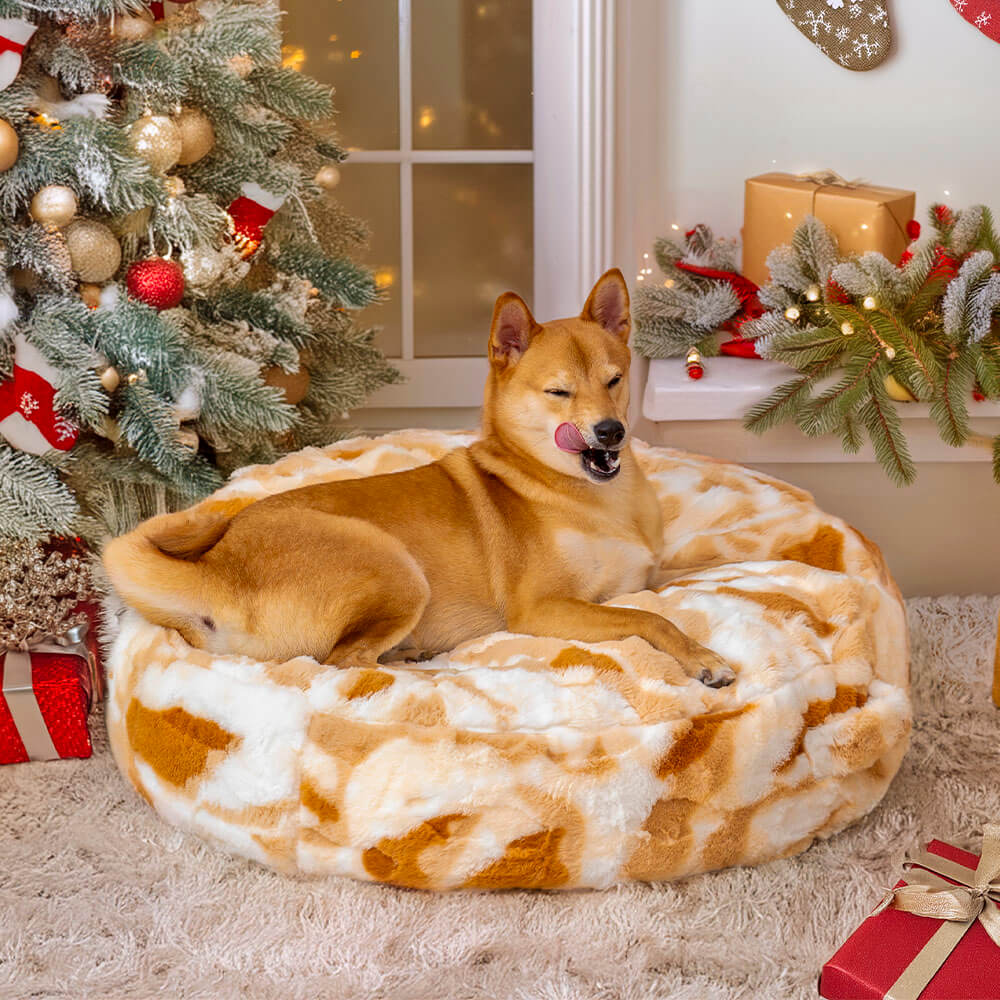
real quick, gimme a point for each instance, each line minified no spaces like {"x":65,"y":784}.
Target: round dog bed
{"x":518,"y":761}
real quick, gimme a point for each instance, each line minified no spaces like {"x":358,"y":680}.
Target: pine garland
{"x":862,"y":333}
{"x":192,"y":403}
{"x":928,"y":329}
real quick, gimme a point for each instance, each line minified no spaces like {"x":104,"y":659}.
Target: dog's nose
{"x":610,"y":433}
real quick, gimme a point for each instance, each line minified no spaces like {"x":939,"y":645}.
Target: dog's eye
{"x":558,"y":392}
{"x":614,"y":381}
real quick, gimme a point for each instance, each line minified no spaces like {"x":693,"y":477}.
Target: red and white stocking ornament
{"x":15,"y":33}
{"x":28,"y":416}
{"x":984,"y":14}
{"x":250,"y":213}
{"x":158,"y":282}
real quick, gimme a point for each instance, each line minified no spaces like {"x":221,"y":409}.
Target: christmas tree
{"x":177,"y":287}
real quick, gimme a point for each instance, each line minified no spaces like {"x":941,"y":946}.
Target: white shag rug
{"x":100,"y":898}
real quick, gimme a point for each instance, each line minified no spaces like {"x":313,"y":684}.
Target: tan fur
{"x":510,"y":533}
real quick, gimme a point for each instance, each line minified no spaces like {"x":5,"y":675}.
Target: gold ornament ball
{"x":157,"y":140}
{"x":846,"y":329}
{"x":813,"y":293}
{"x":110,"y":378}
{"x":54,"y":205}
{"x":134,"y":27}
{"x":792,"y":313}
{"x":294,"y":384}
{"x":9,"y":146}
{"x":328,"y":177}
{"x":897,"y":391}
{"x":91,"y":295}
{"x":197,"y":135}
{"x":870,"y":302}
{"x":93,"y":250}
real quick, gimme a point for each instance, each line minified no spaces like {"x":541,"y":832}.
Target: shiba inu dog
{"x":528,"y":529}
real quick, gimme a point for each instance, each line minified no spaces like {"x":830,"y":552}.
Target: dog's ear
{"x":608,"y":305}
{"x":511,"y":331}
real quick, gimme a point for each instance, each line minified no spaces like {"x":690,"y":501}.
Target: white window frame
{"x":573,"y":157}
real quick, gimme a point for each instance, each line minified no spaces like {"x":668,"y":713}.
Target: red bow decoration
{"x":28,"y":416}
{"x":750,"y":307}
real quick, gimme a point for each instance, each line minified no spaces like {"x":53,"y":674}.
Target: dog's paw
{"x":711,"y":669}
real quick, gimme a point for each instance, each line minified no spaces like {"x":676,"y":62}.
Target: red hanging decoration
{"x":157,"y":282}
{"x":249,"y":214}
{"x":695,"y":369}
{"x":28,"y":416}
{"x":750,"y":308}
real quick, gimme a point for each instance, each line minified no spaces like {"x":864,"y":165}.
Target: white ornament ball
{"x":54,"y":205}
{"x":93,"y":250}
{"x":197,"y":135}
{"x":157,"y":140}
{"x":328,"y":177}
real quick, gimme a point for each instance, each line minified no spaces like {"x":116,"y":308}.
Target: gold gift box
{"x":862,"y":217}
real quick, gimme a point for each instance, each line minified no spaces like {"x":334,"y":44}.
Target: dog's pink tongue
{"x":568,"y":438}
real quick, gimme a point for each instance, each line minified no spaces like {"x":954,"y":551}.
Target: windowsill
{"x":707,"y":415}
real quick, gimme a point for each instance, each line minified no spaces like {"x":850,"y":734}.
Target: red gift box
{"x":878,"y":960}
{"x":46,"y":692}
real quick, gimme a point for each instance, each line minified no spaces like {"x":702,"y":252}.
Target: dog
{"x":528,"y":529}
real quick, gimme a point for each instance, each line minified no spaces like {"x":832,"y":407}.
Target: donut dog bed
{"x":525,"y":762}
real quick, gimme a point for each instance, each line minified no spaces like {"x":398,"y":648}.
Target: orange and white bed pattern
{"x":517,"y":761}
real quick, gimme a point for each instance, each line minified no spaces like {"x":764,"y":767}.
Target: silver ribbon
{"x":19,"y":692}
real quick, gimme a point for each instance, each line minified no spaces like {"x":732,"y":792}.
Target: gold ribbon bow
{"x":19,"y":692}
{"x":975,"y":898}
{"x":830,"y":178}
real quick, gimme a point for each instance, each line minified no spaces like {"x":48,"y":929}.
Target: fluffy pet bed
{"x":517,"y":761}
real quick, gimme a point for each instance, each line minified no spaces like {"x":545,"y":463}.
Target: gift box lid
{"x":880,"y":950}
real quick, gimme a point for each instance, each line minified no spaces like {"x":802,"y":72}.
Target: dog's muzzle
{"x":600,"y":464}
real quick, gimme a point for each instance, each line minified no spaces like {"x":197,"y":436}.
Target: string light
{"x":792,"y":313}
{"x":674,"y":226}
{"x":890,"y":353}
{"x":846,"y":329}
{"x":813,"y":293}
{"x":870,"y":302}
{"x":864,"y":225}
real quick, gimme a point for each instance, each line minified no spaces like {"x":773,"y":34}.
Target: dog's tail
{"x":156,"y":567}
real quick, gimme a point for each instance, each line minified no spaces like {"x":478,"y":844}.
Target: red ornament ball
{"x":157,"y":282}
{"x":913,"y":229}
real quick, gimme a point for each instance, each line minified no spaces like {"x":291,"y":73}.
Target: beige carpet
{"x":100,"y":898}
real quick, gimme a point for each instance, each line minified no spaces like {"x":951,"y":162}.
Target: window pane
{"x":352,"y":45}
{"x":370,"y":191}
{"x":472,"y":241}
{"x":471,"y":74}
